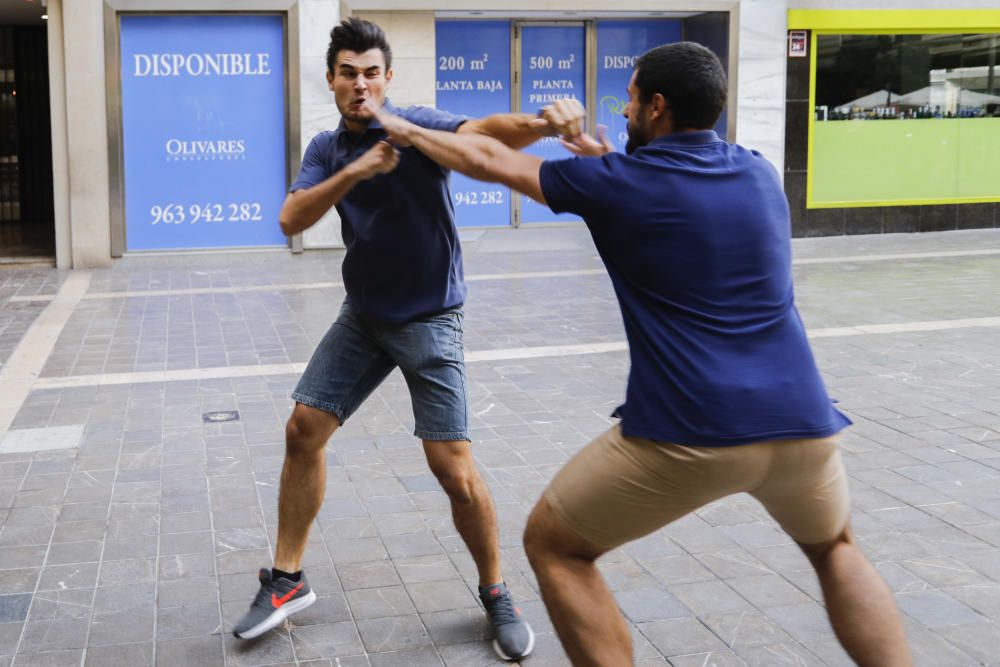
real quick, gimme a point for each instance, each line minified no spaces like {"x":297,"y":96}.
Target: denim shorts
{"x":357,"y":354}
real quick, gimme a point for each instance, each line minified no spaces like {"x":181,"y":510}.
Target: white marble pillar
{"x":317,"y":109}
{"x":60,"y":139}
{"x":760,"y":94}
{"x":87,"y":133}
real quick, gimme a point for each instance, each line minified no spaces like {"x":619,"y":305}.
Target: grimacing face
{"x":357,"y":78}
{"x":636,"y":114}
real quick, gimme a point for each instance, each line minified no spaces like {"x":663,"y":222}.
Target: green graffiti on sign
{"x":613,"y":105}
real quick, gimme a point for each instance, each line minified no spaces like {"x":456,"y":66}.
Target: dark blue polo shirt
{"x":695,"y":235}
{"x":403,"y":257}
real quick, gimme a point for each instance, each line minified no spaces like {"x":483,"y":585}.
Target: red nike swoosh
{"x":277,"y":602}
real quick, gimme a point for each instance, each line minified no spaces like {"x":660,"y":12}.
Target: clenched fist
{"x":563,"y":118}
{"x":379,"y":159}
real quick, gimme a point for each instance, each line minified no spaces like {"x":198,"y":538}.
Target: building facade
{"x":176,"y":125}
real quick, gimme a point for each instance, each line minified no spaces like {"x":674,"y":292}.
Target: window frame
{"x":883,"y":22}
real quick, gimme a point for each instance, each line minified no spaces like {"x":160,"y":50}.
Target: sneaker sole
{"x":276,"y":617}
{"x":527,"y":651}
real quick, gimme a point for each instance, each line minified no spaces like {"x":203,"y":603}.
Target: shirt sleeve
{"x":433,"y":119}
{"x":314,"y":169}
{"x":579,"y":185}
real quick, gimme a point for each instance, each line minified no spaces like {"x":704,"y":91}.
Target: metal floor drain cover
{"x":221,"y":416}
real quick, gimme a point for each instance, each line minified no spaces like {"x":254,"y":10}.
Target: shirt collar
{"x":695,"y":138}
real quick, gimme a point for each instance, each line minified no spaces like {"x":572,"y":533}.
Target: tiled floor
{"x":140,"y":546}
{"x":17,"y":316}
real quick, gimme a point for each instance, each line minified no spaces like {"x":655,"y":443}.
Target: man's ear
{"x":658,"y":106}
{"x":388,"y":76}
{"x":329,"y":79}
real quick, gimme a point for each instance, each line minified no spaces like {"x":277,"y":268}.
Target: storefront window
{"x":473,"y":79}
{"x":203,"y":130}
{"x":477,"y":75}
{"x":905,"y":119}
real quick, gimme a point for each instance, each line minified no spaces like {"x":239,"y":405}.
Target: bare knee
{"x":819,"y":553}
{"x":454,"y":468}
{"x":458,"y":482}
{"x":307,"y":430}
{"x":548,"y":540}
{"x":537,"y":544}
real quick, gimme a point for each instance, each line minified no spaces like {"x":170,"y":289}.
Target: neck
{"x":355,"y":126}
{"x":667,"y":131}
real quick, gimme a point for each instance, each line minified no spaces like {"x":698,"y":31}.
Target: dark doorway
{"x":27,"y":221}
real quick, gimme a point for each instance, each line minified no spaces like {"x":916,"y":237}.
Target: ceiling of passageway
{"x":22,"y":12}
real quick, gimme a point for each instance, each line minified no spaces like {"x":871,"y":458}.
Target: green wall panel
{"x":919,"y":160}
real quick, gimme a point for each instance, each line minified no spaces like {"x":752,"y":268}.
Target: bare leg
{"x":471,"y":503}
{"x":303,"y":482}
{"x":583,"y":610}
{"x":859,"y":604}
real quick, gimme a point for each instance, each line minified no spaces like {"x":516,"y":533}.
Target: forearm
{"x":511,"y":129}
{"x":474,"y":155}
{"x":302,"y":210}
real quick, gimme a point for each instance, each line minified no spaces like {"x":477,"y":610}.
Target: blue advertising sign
{"x":553,"y":67}
{"x":203,"y":120}
{"x":619,"y":43}
{"x":473,"y":79}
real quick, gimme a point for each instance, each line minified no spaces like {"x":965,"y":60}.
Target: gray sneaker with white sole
{"x":276,"y":600}
{"x":514,"y":637}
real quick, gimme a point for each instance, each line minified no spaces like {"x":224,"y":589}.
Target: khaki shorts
{"x":619,"y":489}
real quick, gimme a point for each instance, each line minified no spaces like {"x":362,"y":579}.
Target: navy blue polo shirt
{"x":695,"y":235}
{"x":403,"y":257}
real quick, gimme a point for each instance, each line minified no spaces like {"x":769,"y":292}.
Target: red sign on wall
{"x":798,"y":44}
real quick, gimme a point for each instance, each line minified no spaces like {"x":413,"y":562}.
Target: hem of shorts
{"x":693,"y":440}
{"x":442,"y":435}
{"x":325,"y":406}
{"x":573,"y":525}
{"x":810,"y":540}
{"x":822,"y":540}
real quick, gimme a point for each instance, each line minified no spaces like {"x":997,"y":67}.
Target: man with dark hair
{"x":404,"y":281}
{"x":723,"y":394}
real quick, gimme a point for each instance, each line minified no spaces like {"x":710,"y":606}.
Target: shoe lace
{"x":501,"y":610}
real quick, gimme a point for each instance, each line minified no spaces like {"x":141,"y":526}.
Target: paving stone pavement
{"x":15,"y":318}
{"x":140,"y":546}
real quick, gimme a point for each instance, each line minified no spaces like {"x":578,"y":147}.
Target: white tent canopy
{"x":966,"y":98}
{"x":877,"y":99}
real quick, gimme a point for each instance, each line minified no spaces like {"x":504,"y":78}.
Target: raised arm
{"x":516,"y":130}
{"x":475,"y":155}
{"x":303,"y":208}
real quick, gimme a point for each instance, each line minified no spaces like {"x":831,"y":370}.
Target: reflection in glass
{"x":884,"y":77}
{"x":936,"y":100}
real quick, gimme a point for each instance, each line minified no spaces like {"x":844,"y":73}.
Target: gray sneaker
{"x":514,"y":637}
{"x":276,"y":600}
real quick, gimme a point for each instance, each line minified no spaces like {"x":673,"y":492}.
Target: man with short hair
{"x":723,"y":394}
{"x":404,"y":281}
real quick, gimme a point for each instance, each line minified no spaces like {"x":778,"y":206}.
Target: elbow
{"x":288,"y":227}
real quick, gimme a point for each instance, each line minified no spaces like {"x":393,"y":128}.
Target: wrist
{"x":355,"y":172}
